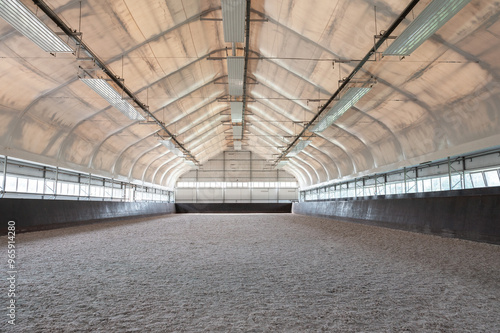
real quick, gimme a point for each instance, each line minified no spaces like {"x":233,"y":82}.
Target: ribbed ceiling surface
{"x":442,"y":100}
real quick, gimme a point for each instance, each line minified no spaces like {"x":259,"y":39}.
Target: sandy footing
{"x":251,"y":273}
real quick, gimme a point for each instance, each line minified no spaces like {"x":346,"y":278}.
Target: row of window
{"x":47,"y":187}
{"x":478,"y":179}
{"x":237,"y":185}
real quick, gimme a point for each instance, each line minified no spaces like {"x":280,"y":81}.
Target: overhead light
{"x":433,"y":17}
{"x":347,"y":101}
{"x":171,"y":146}
{"x":235,"y":72}
{"x":24,"y":21}
{"x":233,"y":20}
{"x":298,"y":148}
{"x":237,"y":145}
{"x":236,"y":112}
{"x":281,"y":164}
{"x":237,"y":132}
{"x":191,"y":164}
{"x":107,"y":92}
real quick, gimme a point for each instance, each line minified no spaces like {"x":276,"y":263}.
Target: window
{"x":492,"y":178}
{"x":477,"y":179}
{"x":22,"y":184}
{"x":445,"y":183}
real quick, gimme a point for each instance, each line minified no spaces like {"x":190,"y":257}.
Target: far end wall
{"x":236,"y":177}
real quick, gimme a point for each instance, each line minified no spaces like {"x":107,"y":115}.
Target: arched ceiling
{"x":442,"y":100}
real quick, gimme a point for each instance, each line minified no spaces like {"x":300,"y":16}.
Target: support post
{"x":463,"y":173}
{"x":197,"y":186}
{"x":112,"y":187}
{"x":56,"y":182}
{"x":416,"y":179}
{"x":404,"y":172}
{"x":4,"y":181}
{"x":90,"y":181}
{"x":45,"y":181}
{"x":224,"y":177}
{"x":251,"y":178}
{"x":449,"y":173}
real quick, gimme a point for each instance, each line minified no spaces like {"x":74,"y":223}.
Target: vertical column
{"x":416,"y":179}
{"x":250,"y":187}
{"x":56,"y":182}
{"x":103,"y":189}
{"x":90,"y":181}
{"x":449,"y":174}
{"x":404,"y":172}
{"x":463,"y":173}
{"x":277,"y":185}
{"x":224,"y":176}
{"x":79,"y":186}
{"x":385,"y":184}
{"x":4,"y":181}
{"x":196,"y":187}
{"x":112,"y":187}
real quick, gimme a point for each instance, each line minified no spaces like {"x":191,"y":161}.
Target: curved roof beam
{"x":335,"y":125}
{"x":336,"y":144}
{"x":127,"y":148}
{"x":298,"y":159}
{"x":322,"y":153}
{"x":168,"y":170}
{"x":310,"y":156}
{"x":191,"y":19}
{"x":151,"y":163}
{"x":294,"y":162}
{"x":175,"y":174}
{"x":161,"y":166}
{"x":138,"y":157}
{"x":301,"y":77}
{"x":300,"y":36}
{"x":303,"y":161}
{"x":96,"y":150}
{"x":211,"y":123}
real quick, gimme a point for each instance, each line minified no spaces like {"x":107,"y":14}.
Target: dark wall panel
{"x":32,"y":214}
{"x":473,"y":217}
{"x":234,"y":208}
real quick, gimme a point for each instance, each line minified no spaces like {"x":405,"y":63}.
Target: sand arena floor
{"x":252,"y":273}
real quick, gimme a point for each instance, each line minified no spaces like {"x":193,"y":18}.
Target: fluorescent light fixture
{"x":107,"y":92}
{"x":347,"y":101}
{"x":235,"y":70}
{"x":433,"y":17}
{"x":298,"y":148}
{"x":237,"y":132}
{"x":236,"y":112}
{"x":281,"y":164}
{"x":24,"y":21}
{"x":190,"y":163}
{"x":233,"y":20}
{"x":237,"y":145}
{"x":171,"y":146}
